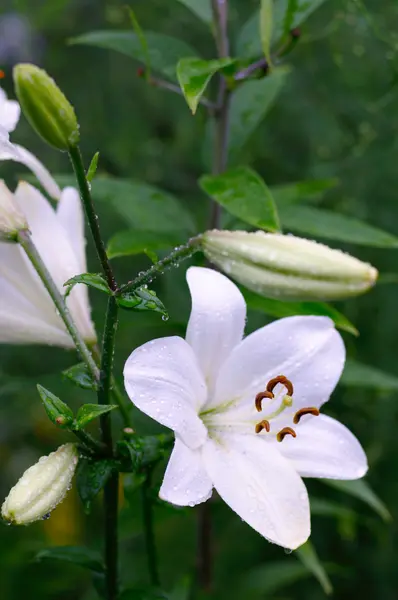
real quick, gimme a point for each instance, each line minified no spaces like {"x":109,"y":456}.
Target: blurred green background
{"x":336,"y":117}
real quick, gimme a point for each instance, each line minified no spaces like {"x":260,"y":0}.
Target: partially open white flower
{"x":9,"y":116}
{"x":245,"y":413}
{"x":11,"y":218}
{"x":27,"y":313}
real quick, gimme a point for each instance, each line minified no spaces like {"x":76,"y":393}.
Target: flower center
{"x":287,"y":401}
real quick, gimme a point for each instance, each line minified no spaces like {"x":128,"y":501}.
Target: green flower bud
{"x":46,"y":107}
{"x":12,"y":219}
{"x":42,"y":487}
{"x":287,"y":267}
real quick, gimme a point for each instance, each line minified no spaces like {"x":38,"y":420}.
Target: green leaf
{"x":93,"y":280}
{"x":58,"y":412}
{"x":84,"y":557}
{"x":308,"y":556}
{"x":143,"y":42}
{"x":89,"y":412}
{"x":182,"y":590}
{"x":80,"y":376}
{"x":330,"y":225}
{"x":243,"y":193}
{"x":163,"y":51}
{"x":293,"y":193}
{"x":142,"y":299}
{"x":136,"y":241}
{"x":287,"y":15}
{"x":278,"y":308}
{"x":272,"y":577}
{"x":144,"y":451}
{"x":356,"y":374}
{"x":200,"y":8}
{"x":360,"y":489}
{"x":194,"y":74}
{"x":266,"y":10}
{"x":92,"y":168}
{"x":249,"y":105}
{"x":325,"y":508}
{"x":91,"y":476}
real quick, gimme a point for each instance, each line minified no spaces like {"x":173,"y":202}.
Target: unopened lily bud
{"x":42,"y":487}
{"x":12,"y":219}
{"x":287,"y":267}
{"x":46,"y":107}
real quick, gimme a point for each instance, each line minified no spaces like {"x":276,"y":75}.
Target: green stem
{"x":85,"y":193}
{"x":89,"y":442}
{"x":147,"y":509}
{"x":25,"y":240}
{"x":111,"y":487}
{"x":172,"y":260}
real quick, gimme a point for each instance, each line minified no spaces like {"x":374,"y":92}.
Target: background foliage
{"x":335,"y":117}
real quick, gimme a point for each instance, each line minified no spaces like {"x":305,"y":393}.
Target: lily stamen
{"x":264,"y":424}
{"x":305,"y":411}
{"x":280,"y":379}
{"x":260,"y":397}
{"x":284,"y":432}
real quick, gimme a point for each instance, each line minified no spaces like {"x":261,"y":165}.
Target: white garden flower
{"x":27,"y":313}
{"x":9,"y":116}
{"x":210,"y":389}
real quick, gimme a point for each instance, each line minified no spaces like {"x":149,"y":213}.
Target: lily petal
{"x":10,"y":112}
{"x":163,"y":379}
{"x":307,"y":350}
{"x":185,"y":482}
{"x":325,"y":448}
{"x":261,"y":486}
{"x":217,"y":319}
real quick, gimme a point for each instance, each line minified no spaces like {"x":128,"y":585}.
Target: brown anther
{"x":285,"y":431}
{"x":305,"y":411}
{"x":282,"y":380}
{"x":2,"y":74}
{"x":260,"y":397}
{"x":263,"y":425}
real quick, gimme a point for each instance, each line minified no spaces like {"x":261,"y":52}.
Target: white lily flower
{"x":9,"y":116}
{"x":209,"y":387}
{"x":27,"y":313}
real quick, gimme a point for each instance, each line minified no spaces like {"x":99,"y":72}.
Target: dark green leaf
{"x":326,"y":508}
{"x":147,"y":593}
{"x":91,"y":476}
{"x":272,"y":577}
{"x":360,"y":489}
{"x":194,"y":74}
{"x":80,"y":376}
{"x":182,"y":590}
{"x":250,"y":103}
{"x":58,"y":412}
{"x":144,"y":451}
{"x":266,"y":16}
{"x":278,"y":308}
{"x":89,"y":412}
{"x":356,"y":374}
{"x":294,"y":193}
{"x":142,"y":299}
{"x":93,"y":280}
{"x":163,"y":51}
{"x":243,"y":193}
{"x":308,"y":556}
{"x":92,"y":168}
{"x":84,"y":557}
{"x":200,"y":8}
{"x":136,"y":241}
{"x":330,"y":225}
{"x":143,"y":41}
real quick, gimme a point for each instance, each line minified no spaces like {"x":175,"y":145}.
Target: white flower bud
{"x":12,"y":219}
{"x":287,"y":267}
{"x":42,"y":487}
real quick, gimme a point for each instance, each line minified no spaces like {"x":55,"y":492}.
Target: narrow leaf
{"x":58,"y":412}
{"x":356,"y":374}
{"x":89,"y":412}
{"x":142,"y":299}
{"x":136,"y":241}
{"x":194,"y":74}
{"x":92,"y":168}
{"x":250,"y":103}
{"x":266,"y":10}
{"x":80,"y":376}
{"x":330,"y":225}
{"x":308,"y":556}
{"x":200,"y":8}
{"x":278,"y":308}
{"x":243,"y":193}
{"x":325,"y":508}
{"x":360,"y":489}
{"x":270,"y":578}
{"x":143,"y":42}
{"x":91,"y":476}
{"x":294,"y":193}
{"x":84,"y":557}
{"x":93,"y":280}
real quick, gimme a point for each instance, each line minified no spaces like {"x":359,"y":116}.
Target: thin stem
{"x":147,"y":510}
{"x":24,"y":238}
{"x":85,"y":193}
{"x":89,"y":442}
{"x":111,"y":488}
{"x":173,"y":259}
